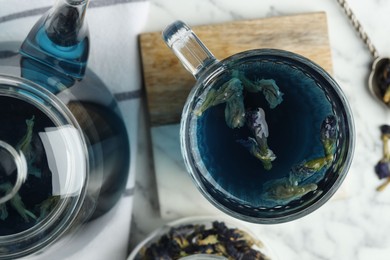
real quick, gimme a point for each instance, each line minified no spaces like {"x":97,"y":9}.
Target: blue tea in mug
{"x":267,"y":135}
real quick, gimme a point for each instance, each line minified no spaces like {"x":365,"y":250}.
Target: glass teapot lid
{"x":43,"y":167}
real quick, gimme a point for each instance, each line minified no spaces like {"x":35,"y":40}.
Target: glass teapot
{"x":64,"y":149}
{"x":266,"y":135}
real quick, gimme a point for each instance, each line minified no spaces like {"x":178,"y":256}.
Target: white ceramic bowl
{"x":259,"y":245}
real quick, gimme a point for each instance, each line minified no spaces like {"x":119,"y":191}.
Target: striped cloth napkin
{"x":114,"y":26}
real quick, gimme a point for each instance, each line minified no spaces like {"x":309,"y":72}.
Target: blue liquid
{"x":67,"y":54}
{"x":37,"y":188}
{"x":44,"y":75}
{"x":237,"y":179}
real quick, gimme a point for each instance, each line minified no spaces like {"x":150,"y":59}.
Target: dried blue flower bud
{"x":305,"y":169}
{"x":329,"y":134}
{"x":382,"y":169}
{"x":302,"y":170}
{"x":283,"y":191}
{"x":235,"y":112}
{"x":268,"y":87}
{"x":328,"y":128}
{"x":258,"y":147}
{"x":385,"y":129}
{"x":255,"y":120}
{"x":271,"y":92}
{"x":260,"y":151}
{"x":225,"y":93}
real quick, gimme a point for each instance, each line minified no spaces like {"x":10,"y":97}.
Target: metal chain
{"x":358,"y":27}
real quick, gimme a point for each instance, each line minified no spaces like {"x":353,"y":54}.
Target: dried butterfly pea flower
{"x":209,"y":240}
{"x":385,"y":129}
{"x":268,"y":87}
{"x":218,"y":240}
{"x":284,"y":190}
{"x":225,"y":93}
{"x":382,"y":168}
{"x":329,"y":135}
{"x":257,"y":145}
{"x":235,"y":111}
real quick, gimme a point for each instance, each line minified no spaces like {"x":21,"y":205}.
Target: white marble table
{"x":355,"y":227}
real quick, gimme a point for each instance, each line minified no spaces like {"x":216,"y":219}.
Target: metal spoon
{"x":379,"y":80}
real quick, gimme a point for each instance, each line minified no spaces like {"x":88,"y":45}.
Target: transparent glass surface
{"x":45,"y":134}
{"x":267,"y":136}
{"x":62,"y":106}
{"x":60,"y":39}
{"x":187,"y":47}
{"x":98,"y":115}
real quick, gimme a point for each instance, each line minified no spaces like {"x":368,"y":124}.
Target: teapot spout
{"x":191,"y":52}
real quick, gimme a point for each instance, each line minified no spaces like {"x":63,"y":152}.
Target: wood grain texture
{"x":167,"y":83}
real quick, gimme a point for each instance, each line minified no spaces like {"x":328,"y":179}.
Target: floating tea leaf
{"x":329,"y":134}
{"x":260,"y":151}
{"x":235,"y":112}
{"x":257,"y":123}
{"x":304,"y":170}
{"x":3,"y":211}
{"x":271,"y":92}
{"x":268,"y":87}
{"x":258,"y":147}
{"x":225,"y":93}
{"x":282,"y":190}
{"x":25,"y":143}
{"x":16,"y":202}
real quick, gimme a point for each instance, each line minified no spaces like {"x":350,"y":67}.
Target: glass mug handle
{"x":184,"y":43}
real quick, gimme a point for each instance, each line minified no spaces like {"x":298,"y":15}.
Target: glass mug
{"x":266,"y":135}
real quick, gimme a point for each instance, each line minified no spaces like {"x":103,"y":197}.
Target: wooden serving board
{"x":167,"y":83}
